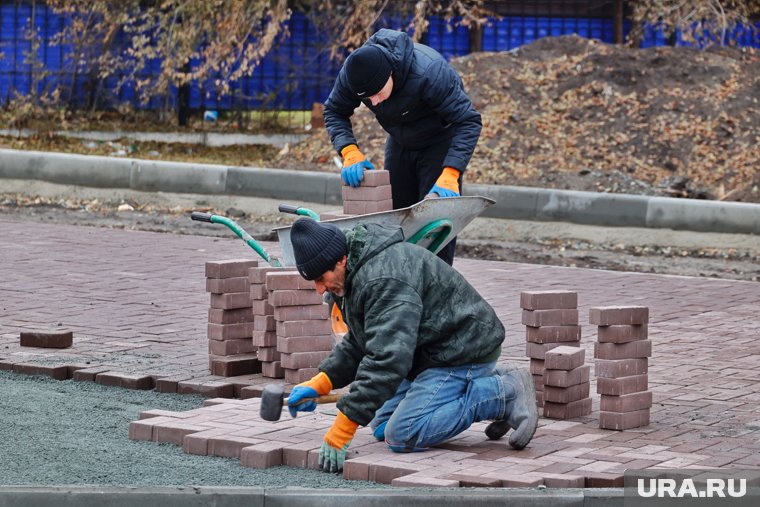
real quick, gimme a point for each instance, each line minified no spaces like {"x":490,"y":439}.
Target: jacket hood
{"x":367,"y":240}
{"x":399,"y":49}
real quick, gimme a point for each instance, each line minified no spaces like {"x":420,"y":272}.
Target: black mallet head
{"x":272,"y":397}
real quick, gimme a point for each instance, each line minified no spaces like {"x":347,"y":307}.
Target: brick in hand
{"x":371,"y":196}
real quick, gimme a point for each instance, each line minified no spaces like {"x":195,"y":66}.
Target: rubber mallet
{"x":273,"y":398}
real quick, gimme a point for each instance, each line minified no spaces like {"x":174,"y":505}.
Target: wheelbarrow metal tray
{"x":459,"y":211}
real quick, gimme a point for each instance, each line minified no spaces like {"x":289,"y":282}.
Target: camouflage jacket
{"x":407,"y":311}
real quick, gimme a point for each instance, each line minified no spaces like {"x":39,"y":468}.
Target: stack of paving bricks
{"x":302,"y":325}
{"x":551,"y":318}
{"x":372,"y":196}
{"x":622,"y":353}
{"x":230,"y":321}
{"x":264,"y":332}
{"x":566,"y":383}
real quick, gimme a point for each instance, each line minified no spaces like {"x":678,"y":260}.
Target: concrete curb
{"x":520,"y":203}
{"x":96,"y":496}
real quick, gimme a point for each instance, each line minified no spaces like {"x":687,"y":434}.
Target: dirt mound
{"x":568,"y":112}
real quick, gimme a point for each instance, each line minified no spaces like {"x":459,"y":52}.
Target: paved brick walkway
{"x":137,"y":306}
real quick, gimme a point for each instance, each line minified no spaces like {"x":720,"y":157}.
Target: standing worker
{"x":419,"y":99}
{"x":421,"y":349}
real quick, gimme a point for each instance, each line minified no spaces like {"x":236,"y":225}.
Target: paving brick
{"x":622,"y":334}
{"x":230,"y":347}
{"x":261,"y":307}
{"x":298,"y":360}
{"x":424,"y":481}
{"x":623,"y":385}
{"x":210,"y":389}
{"x":230,"y":446}
{"x":174,"y":432}
{"x":288,"y":280}
{"x":258,"y":291}
{"x":536,"y":366}
{"x":309,"y":312}
{"x":538,"y":350}
{"x":294,"y":297}
{"x":293,"y":344}
{"x":232,"y":268}
{"x":553,"y":334}
{"x":259,"y":275}
{"x":297,"y":455}
{"x":570,"y":410}
{"x":616,"y":368}
{"x":227,"y":285}
{"x":143,"y":429}
{"x":170,"y":384}
{"x":299,"y":376}
{"x":264,"y":323}
{"x":217,"y":316}
{"x":604,"y":480}
{"x":231,"y":301}
{"x":362,"y":193}
{"x":264,"y":455}
{"x":55,"y":338}
{"x":474,"y":481}
{"x":58,"y":372}
{"x":233,"y":366}
{"x":538,"y":381}
{"x":197,"y":443}
{"x":522,"y":481}
{"x":561,"y":317}
{"x":333,"y":215}
{"x":618,"y":315}
{"x":311,"y":327}
{"x":375,"y":178}
{"x":626,"y":402}
{"x":630,"y":350}
{"x":564,"y":481}
{"x":564,"y":358}
{"x":562,"y":378}
{"x":229,"y":331}
{"x":264,"y":338}
{"x":548,"y":300}
{"x":385,"y":471}
{"x":365,"y":207}
{"x":623,"y":420}
{"x":269,"y":354}
{"x":566,"y":394}
{"x":89,"y":374}
{"x":272,"y":369}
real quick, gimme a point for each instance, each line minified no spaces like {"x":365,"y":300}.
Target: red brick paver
{"x":137,"y":305}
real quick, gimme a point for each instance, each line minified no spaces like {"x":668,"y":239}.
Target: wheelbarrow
{"x":431,"y":224}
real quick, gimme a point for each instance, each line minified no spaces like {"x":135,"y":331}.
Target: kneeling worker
{"x":421,"y":349}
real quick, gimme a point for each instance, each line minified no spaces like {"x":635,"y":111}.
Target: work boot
{"x":521,"y":412}
{"x":500,"y":427}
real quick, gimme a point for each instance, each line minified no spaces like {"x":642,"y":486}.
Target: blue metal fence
{"x":296,"y":73}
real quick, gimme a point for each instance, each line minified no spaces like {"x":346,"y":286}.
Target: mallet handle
{"x":328,"y":398}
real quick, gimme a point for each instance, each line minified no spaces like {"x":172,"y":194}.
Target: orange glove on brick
{"x":354,"y":164}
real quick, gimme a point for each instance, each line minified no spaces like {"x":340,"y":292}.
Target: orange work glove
{"x":354,"y":164}
{"x":334,"y":448}
{"x":447,"y":184}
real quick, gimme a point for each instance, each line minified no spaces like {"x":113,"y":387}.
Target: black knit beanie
{"x":367,"y":70}
{"x":317,"y":247}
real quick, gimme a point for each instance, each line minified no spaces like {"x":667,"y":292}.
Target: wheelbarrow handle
{"x":200,"y":216}
{"x":295,"y":210}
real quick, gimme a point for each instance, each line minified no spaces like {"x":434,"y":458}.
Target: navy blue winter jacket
{"x":428,"y":102}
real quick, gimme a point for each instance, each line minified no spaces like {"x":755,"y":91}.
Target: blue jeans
{"x":439,"y":404}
